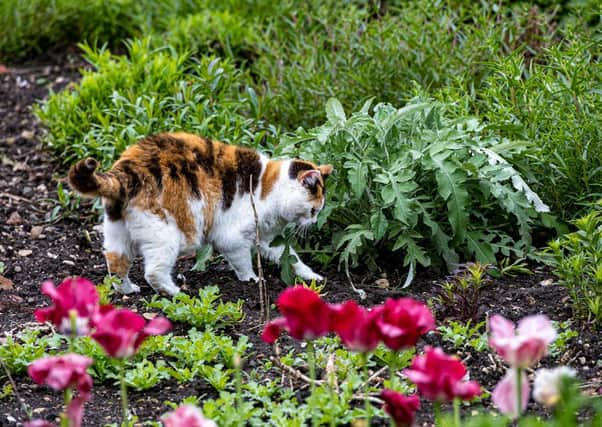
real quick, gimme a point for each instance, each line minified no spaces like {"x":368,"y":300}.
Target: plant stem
{"x":238,"y":380}
{"x":519,"y":392}
{"x":67,"y":395}
{"x":124,"y":393}
{"x":392,"y":368}
{"x":311,"y":353}
{"x":437,"y":410}
{"x":73,"y":335}
{"x":457,"y":412}
{"x":366,"y":376}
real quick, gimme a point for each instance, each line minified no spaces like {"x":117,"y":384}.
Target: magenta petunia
{"x":400,"y":407}
{"x":76,"y":297}
{"x":403,"y":322}
{"x":121,"y":332}
{"x":440,"y":377}
{"x":356,"y":326}
{"x":304,"y":315}
{"x":187,"y":416}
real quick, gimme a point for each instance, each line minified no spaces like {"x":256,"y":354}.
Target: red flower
{"x":63,"y":372}
{"x":121,"y":332}
{"x":400,"y":407}
{"x":187,"y":416}
{"x":304,"y":315}
{"x":403,"y":321}
{"x":439,"y":377}
{"x":74,"y":295}
{"x":356,"y":326}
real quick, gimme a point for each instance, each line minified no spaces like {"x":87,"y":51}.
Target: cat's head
{"x":307,"y":191}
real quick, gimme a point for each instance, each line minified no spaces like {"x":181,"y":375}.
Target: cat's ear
{"x":325,"y":170}
{"x":309,"y":178}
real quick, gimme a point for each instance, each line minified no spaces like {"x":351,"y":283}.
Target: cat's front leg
{"x":241,"y":262}
{"x":273,"y":253}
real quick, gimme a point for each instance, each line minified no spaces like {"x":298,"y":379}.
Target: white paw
{"x":308,"y":274}
{"x":247,"y":277}
{"x":170,"y":290}
{"x":127,"y":287}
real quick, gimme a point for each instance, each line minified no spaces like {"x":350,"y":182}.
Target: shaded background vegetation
{"x":254,"y":71}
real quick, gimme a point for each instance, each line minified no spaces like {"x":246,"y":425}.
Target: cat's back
{"x":169,"y":171}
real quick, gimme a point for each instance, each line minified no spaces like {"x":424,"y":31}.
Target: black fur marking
{"x":114,"y":207}
{"x":189,"y":173}
{"x":248,"y":165}
{"x":298,"y":166}
{"x":173,"y":172}
{"x":83,"y":180}
{"x":154,"y":167}
{"x":132,"y":178}
{"x":206,"y":161}
{"x":228,"y":186}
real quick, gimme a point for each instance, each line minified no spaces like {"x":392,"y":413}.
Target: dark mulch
{"x":58,"y":249}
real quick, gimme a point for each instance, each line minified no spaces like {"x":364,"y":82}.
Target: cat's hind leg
{"x":158,"y":241}
{"x":118,"y":254}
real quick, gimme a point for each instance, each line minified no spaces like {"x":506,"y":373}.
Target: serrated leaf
{"x":379,"y":225}
{"x":202,"y":256}
{"x":335,"y":112}
{"x":451,"y":184}
{"x":478,"y":245}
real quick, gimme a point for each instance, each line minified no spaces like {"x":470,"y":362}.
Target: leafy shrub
{"x":32,"y":26}
{"x":413,"y":180}
{"x":577,"y":262}
{"x":148,"y":91}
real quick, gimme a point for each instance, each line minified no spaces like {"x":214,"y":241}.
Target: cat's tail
{"x":84,"y":179}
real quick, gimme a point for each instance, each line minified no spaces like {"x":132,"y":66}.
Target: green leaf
{"x":202,"y":256}
{"x":335,"y":112}
{"x":379,"y":224}
{"x":478,"y":245}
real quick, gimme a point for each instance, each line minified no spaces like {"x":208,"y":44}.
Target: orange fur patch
{"x":118,"y":264}
{"x":269,"y":178}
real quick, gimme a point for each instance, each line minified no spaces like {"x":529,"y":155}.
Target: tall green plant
{"x":149,"y":91}
{"x":412,"y":181}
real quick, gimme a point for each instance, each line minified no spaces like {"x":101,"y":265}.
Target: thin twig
{"x":12,"y":383}
{"x":295,"y":373}
{"x":369,"y":398}
{"x":377,"y":374}
{"x":263,"y":293}
{"x":22,"y":199}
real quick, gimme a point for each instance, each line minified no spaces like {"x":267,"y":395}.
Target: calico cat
{"x":173,"y":192}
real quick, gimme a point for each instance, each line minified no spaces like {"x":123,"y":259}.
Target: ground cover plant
{"x":453,"y":126}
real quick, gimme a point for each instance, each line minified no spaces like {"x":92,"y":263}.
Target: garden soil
{"x":35,"y":247}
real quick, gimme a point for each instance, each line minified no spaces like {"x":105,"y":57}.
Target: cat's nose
{"x":313,"y":211}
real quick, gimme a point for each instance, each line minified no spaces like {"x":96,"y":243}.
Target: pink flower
{"x":400,"y":407}
{"x":504,"y":394}
{"x":356,"y":326}
{"x":403,"y":321}
{"x":38,"y":423}
{"x":74,"y":296}
{"x":121,"y":332}
{"x":63,"y":372}
{"x":439,"y":377}
{"x":304,"y":315}
{"x":187,"y":416}
{"x":524,"y":346}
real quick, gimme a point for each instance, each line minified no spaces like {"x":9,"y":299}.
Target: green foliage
{"x":465,"y":335}
{"x":203,"y":255}
{"x":412,"y":180}
{"x":577,"y":262}
{"x":201,"y":311}
{"x":565,"y":334}
{"x":20,"y":349}
{"x":148,"y":91}
{"x":459,"y":296}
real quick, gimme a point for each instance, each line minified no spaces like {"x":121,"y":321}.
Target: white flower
{"x":546,"y":387}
